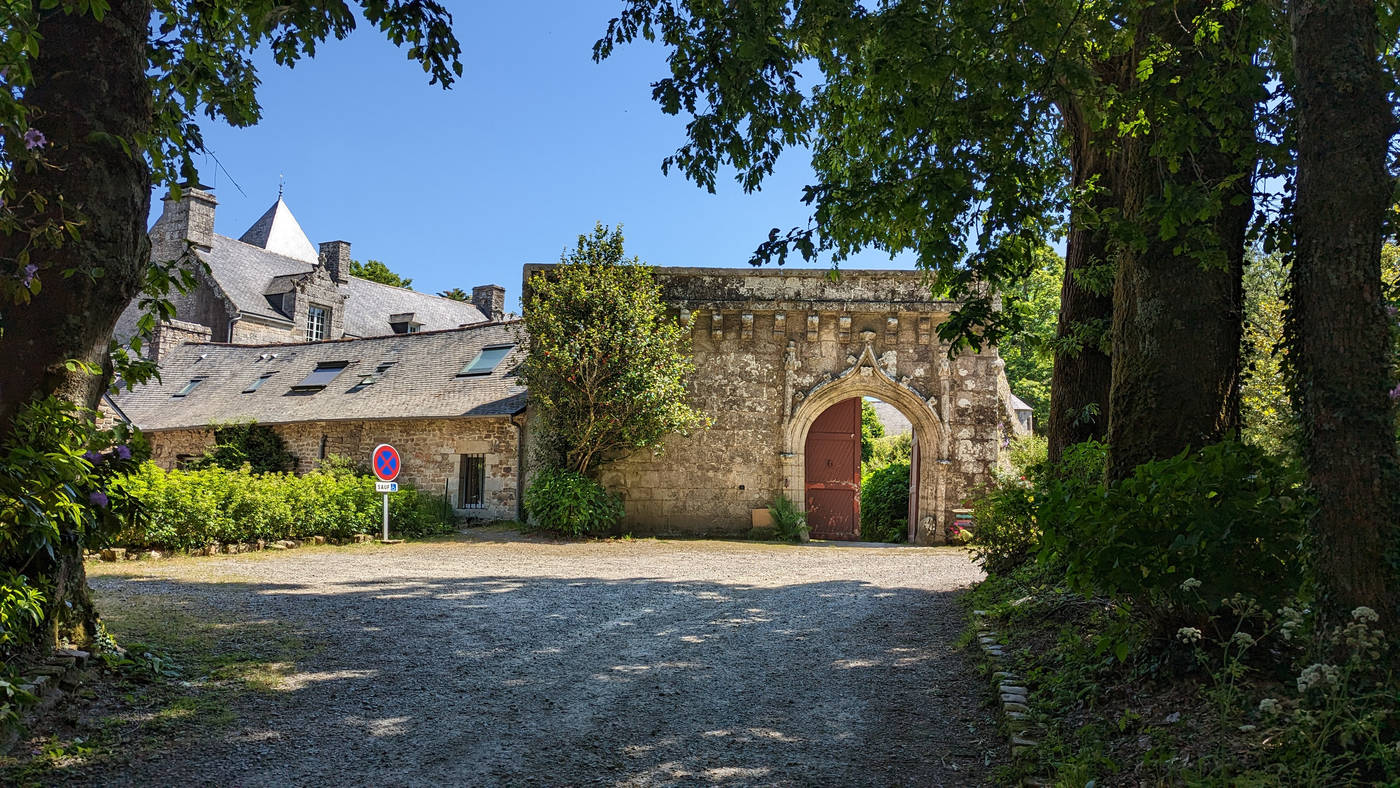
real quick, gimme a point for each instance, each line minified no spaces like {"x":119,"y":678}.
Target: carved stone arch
{"x":866,"y":378}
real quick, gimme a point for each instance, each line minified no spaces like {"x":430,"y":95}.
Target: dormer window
{"x":318,"y":323}
{"x":404,"y":323}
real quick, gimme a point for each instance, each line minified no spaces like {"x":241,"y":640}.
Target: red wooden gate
{"x":833,"y":472}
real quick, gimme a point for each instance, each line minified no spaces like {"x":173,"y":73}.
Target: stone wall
{"x":431,"y":450}
{"x":773,"y":349}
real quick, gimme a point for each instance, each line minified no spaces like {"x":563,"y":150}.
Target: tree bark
{"x":1079,"y":384}
{"x":88,"y":79}
{"x":1337,"y":326}
{"x":1177,"y":311}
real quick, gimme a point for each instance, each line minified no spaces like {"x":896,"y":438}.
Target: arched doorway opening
{"x":837,"y":439}
{"x":860,"y":478}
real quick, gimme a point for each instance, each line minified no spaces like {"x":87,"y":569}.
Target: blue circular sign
{"x":385,"y":462}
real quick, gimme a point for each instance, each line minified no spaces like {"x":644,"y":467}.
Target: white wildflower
{"x":1243,"y":639}
{"x":1190,"y":583}
{"x":1316,"y":674}
{"x":1188,"y":635}
{"x":1268,"y":706}
{"x":1365,"y":615}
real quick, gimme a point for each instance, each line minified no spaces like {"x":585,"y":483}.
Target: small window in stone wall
{"x":471,"y":482}
{"x":318,"y":323}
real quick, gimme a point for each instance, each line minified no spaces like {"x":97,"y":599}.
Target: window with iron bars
{"x":471,"y":482}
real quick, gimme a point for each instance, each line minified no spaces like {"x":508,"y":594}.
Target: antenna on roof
{"x":281,"y":183}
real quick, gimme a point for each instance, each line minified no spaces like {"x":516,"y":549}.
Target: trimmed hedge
{"x":186,"y":509}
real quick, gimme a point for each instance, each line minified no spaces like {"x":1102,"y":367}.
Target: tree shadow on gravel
{"x":407,"y":680}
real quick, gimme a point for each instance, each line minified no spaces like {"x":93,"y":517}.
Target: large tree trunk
{"x":1336,"y":322}
{"x":89,"y":79}
{"x":1079,"y":385}
{"x":1177,"y":306}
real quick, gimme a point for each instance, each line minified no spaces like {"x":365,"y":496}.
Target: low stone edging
{"x":1014,"y":697}
{"x":64,"y":671}
{"x":125,"y":554}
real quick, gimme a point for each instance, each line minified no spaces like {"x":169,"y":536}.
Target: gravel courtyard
{"x":498,"y":659}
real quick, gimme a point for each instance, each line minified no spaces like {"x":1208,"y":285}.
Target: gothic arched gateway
{"x":773,"y":349}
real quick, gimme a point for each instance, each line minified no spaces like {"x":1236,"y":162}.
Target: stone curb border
{"x":1015,"y":704}
{"x":63,"y":671}
{"x":123,"y":554}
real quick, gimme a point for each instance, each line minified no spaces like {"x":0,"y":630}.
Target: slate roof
{"x":245,"y":272}
{"x":420,"y":381}
{"x":278,"y":231}
{"x":1019,"y":404}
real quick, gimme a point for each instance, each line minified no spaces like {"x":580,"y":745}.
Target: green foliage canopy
{"x":607,"y":366}
{"x":377,"y":271}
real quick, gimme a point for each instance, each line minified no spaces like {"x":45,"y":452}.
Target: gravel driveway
{"x":497,"y":659}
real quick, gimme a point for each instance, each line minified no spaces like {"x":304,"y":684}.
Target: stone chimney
{"x":189,"y":219}
{"x":491,"y":300}
{"x":335,"y":256}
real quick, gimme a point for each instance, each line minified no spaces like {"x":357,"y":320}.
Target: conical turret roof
{"x":278,"y":232}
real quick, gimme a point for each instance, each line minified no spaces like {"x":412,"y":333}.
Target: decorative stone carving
{"x":843,"y":329}
{"x":813,"y":323}
{"x":717,"y":325}
{"x":746,"y":326}
{"x":779,"y":324}
{"x":925,"y":330}
{"x":790,"y":365}
{"x":892,"y":328}
{"x":889,"y":362}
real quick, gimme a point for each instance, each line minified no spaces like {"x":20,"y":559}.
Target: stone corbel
{"x":813,"y":323}
{"x":925,"y":330}
{"x":779,"y":324}
{"x":843,"y":329}
{"x":746,"y":326}
{"x":717,"y":325}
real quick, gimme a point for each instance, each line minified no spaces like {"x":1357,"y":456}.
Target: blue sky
{"x":533,"y":144}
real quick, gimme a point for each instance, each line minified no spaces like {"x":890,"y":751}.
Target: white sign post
{"x":386,"y":464}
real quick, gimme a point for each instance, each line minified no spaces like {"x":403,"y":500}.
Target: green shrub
{"x":1027,"y":452}
{"x":1005,"y":516}
{"x":884,"y":504}
{"x":185,"y":509}
{"x":789,"y":521}
{"x":1228,"y":515}
{"x":252,"y":444}
{"x":1005,"y":532}
{"x":571,"y":504}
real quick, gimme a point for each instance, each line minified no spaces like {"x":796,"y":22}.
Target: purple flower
{"x":29,"y":272}
{"x":93,"y":457}
{"x":97,"y":498}
{"x":1391,"y":310}
{"x":34,"y":138}
{"x":123,"y":453}
{"x":1395,"y":392}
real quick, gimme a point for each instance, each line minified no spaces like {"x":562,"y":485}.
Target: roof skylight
{"x":486,"y":361}
{"x":257,"y":384}
{"x":189,"y":387}
{"x":325,"y":372}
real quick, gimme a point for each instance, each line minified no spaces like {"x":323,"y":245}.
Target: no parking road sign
{"x":385,"y":462}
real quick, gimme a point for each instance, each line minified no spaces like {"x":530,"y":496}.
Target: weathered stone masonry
{"x":431,"y":451}
{"x":773,"y":349}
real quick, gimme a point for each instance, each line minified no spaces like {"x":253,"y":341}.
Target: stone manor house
{"x":279,"y":333}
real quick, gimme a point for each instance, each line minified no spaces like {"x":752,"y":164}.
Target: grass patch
{"x":191,"y":665}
